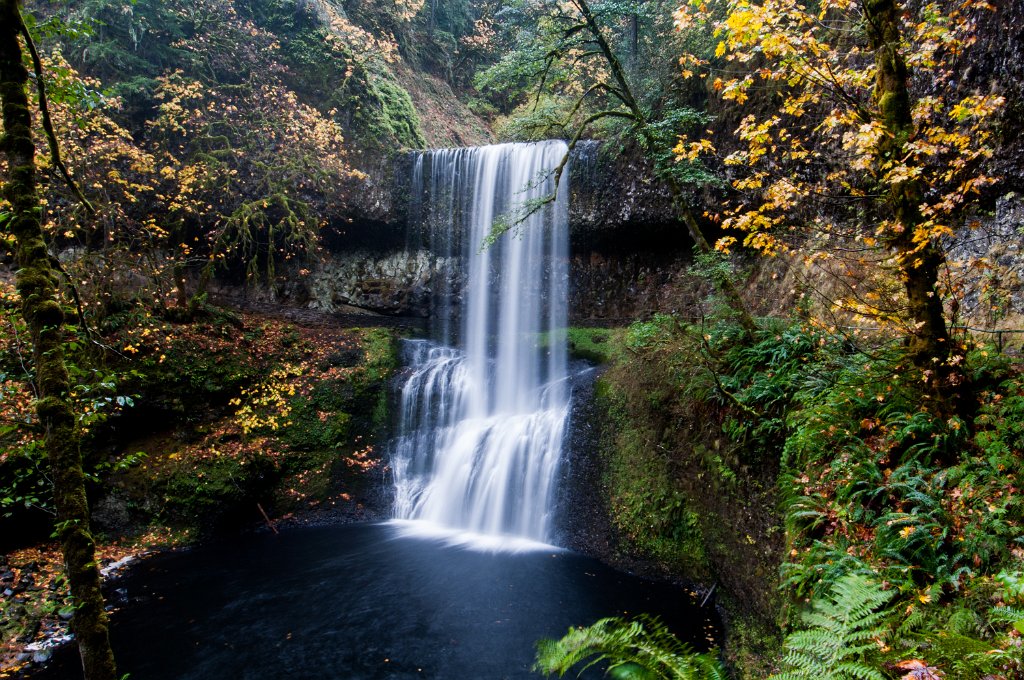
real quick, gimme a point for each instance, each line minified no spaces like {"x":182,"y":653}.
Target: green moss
{"x":589,"y":344}
{"x":320,"y":421}
{"x":679,"y":491}
{"x":208,"y":475}
{"x":190,"y":374}
{"x":381,"y":348}
{"x":213,"y":492}
{"x":355,"y":404}
{"x":646,"y":504}
{"x":386,"y":111}
{"x":752,"y":647}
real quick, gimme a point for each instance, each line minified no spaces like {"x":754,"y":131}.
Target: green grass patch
{"x":589,"y":344}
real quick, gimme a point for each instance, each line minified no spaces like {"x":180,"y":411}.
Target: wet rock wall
{"x":627,"y":250}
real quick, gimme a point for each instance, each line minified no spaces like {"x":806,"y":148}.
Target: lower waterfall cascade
{"x":483,"y":411}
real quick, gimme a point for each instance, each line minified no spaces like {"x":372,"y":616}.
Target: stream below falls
{"x":365,"y":601}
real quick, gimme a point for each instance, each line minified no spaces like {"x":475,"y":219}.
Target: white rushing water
{"x":484,"y":411}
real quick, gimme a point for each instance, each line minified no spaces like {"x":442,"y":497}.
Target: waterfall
{"x":484,"y":406}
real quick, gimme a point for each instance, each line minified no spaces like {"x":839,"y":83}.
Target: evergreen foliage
{"x":873,"y":486}
{"x":641,"y":649}
{"x":844,"y":630}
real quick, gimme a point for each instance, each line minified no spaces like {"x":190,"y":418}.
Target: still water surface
{"x":365,"y":601}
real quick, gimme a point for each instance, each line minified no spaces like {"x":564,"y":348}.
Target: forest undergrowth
{"x":893,"y":548}
{"x":190,"y":430}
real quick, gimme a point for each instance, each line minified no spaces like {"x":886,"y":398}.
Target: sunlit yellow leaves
{"x":812,"y":140}
{"x":753,"y":181}
{"x":725,"y":243}
{"x":978,"y":106}
{"x":863,"y":142}
{"x":763,"y":242}
{"x":266,"y":405}
{"x":743,"y":25}
{"x":758,"y":135}
{"x":690,"y":14}
{"x":691,"y":151}
{"x":900,"y":173}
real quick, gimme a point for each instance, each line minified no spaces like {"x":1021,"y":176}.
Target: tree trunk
{"x":919,"y":267}
{"x":36,"y":285}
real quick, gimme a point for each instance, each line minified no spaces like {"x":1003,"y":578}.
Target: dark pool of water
{"x":358,"y":602}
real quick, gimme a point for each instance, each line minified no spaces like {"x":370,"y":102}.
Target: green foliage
{"x":23,"y":480}
{"x":841,"y":635}
{"x":545,"y":118}
{"x":660,"y":138}
{"x":764,"y":376}
{"x":872,"y":485}
{"x":98,"y":395}
{"x":549,"y":116}
{"x":646,"y":335}
{"x":1012,"y":583}
{"x":126,"y":43}
{"x":642,"y":649}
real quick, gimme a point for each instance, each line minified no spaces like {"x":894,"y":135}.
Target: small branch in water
{"x":708,"y":596}
{"x":269,"y":523}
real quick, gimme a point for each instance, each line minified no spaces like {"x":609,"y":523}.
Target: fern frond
{"x":860,"y":671}
{"x":841,"y":634}
{"x":644,"y":648}
{"x":1005,"y":614}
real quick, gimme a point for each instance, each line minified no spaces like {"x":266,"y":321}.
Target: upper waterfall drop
{"x":483,"y":412}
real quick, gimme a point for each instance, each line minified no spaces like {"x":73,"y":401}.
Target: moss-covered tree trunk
{"x":37,"y":287}
{"x":919,"y":265}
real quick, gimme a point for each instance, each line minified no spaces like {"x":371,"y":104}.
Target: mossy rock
{"x":215,"y":493}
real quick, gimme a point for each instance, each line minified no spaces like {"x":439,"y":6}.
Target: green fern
{"x":642,"y":649}
{"x":841,"y":635}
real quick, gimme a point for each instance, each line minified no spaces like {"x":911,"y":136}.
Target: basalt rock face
{"x":616,"y":194}
{"x":629,"y":251}
{"x":629,"y":256}
{"x":989,"y":260}
{"x":996,"y":63}
{"x":399,"y":282}
{"x":627,"y":248}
